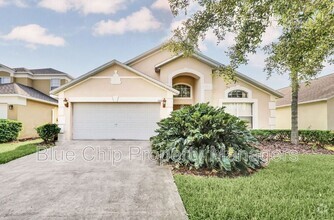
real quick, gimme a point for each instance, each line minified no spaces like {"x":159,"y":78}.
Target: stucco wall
{"x":182,"y":65}
{"x":98,"y":88}
{"x":3,"y":111}
{"x":24,"y":81}
{"x":330,"y":112}
{"x":63,"y":81}
{"x":4,"y":74}
{"x":259,"y":98}
{"x":12,"y":114}
{"x":212,"y":89}
{"x":310,"y":116}
{"x":42,"y":85}
{"x":147,"y":64}
{"x":33,"y":115}
{"x":191,"y":82}
{"x":100,"y":85}
{"x":194,"y":68}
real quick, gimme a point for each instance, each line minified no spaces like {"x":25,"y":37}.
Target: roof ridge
{"x":144,"y":54}
{"x":16,"y":87}
{"x":20,"y":90}
{"x":107,"y":65}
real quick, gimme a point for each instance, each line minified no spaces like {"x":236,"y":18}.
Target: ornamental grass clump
{"x":203,"y":136}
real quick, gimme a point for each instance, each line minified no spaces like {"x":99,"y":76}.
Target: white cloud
{"x":34,"y":35}
{"x":140,"y":21}
{"x":85,"y":6}
{"x":328,"y":68}
{"x":58,"y":6}
{"x":176,"y":24}
{"x":257,"y":60}
{"x":3,"y":2}
{"x":271,"y":34}
{"x":161,"y":5}
{"x":17,"y":3}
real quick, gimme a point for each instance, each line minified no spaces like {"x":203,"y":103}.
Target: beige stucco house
{"x":125,"y":100}
{"x":24,"y":96}
{"x":316,"y":105}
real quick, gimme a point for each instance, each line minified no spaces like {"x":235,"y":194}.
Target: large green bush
{"x":317,"y":137}
{"x":48,"y":132}
{"x":202,"y":136}
{"x":9,"y":130}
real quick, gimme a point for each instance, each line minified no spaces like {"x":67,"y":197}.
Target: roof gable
{"x":107,"y":65}
{"x":215,"y":64}
{"x":143,"y":55}
{"x":6,"y":69}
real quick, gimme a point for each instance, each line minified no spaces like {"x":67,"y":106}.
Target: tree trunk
{"x":294,"y":109}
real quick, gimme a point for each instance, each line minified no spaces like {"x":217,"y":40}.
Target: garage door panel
{"x":115,"y":120}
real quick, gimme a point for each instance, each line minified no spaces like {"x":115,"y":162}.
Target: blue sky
{"x":76,"y":36}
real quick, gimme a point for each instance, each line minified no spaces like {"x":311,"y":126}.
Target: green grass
{"x":284,"y":190}
{"x":18,"y":152}
{"x":12,"y":145}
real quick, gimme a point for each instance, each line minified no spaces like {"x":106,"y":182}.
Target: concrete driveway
{"x":89,"y":180}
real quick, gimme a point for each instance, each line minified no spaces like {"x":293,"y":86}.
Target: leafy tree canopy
{"x":305,"y":43}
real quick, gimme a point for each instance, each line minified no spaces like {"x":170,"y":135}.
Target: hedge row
{"x":318,"y":137}
{"x":9,"y":130}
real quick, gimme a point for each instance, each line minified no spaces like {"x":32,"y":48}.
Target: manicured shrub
{"x":317,"y":137}
{"x":202,"y":136}
{"x":9,"y":130}
{"x":48,"y":132}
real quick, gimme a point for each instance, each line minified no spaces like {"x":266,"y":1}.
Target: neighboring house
{"x":125,"y":100}
{"x":315,"y":108}
{"x":24,"y":96}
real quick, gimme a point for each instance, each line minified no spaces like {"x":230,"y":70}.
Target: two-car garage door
{"x":94,"y":121}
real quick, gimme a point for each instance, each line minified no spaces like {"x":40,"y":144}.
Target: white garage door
{"x":115,"y":120}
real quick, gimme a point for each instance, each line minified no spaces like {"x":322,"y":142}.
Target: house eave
{"x":105,"y":66}
{"x":302,"y":103}
{"x":29,"y":98}
{"x":215,"y":64}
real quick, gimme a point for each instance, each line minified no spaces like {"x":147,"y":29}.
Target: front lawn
{"x":13,"y":145}
{"x":14,"y":151}
{"x":284,"y":190}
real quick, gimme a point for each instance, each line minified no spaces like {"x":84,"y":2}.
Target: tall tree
{"x":305,"y":44}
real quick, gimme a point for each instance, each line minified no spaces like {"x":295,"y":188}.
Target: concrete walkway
{"x":89,"y":180}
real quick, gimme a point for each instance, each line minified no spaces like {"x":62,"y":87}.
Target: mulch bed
{"x":269,"y":150}
{"x":286,"y":147}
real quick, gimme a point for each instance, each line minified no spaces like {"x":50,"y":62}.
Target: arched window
{"x":185,"y":90}
{"x":238,"y":94}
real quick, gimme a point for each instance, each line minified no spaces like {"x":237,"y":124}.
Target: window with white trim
{"x":238,"y":94}
{"x":4,"y":80}
{"x":54,"y":83}
{"x":244,"y":111}
{"x":185,"y":90}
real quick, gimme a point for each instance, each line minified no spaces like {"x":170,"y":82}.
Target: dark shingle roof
{"x":44,"y":71}
{"x":26,"y":91}
{"x":47,"y":71}
{"x":21,"y":69}
{"x":319,"y":89}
